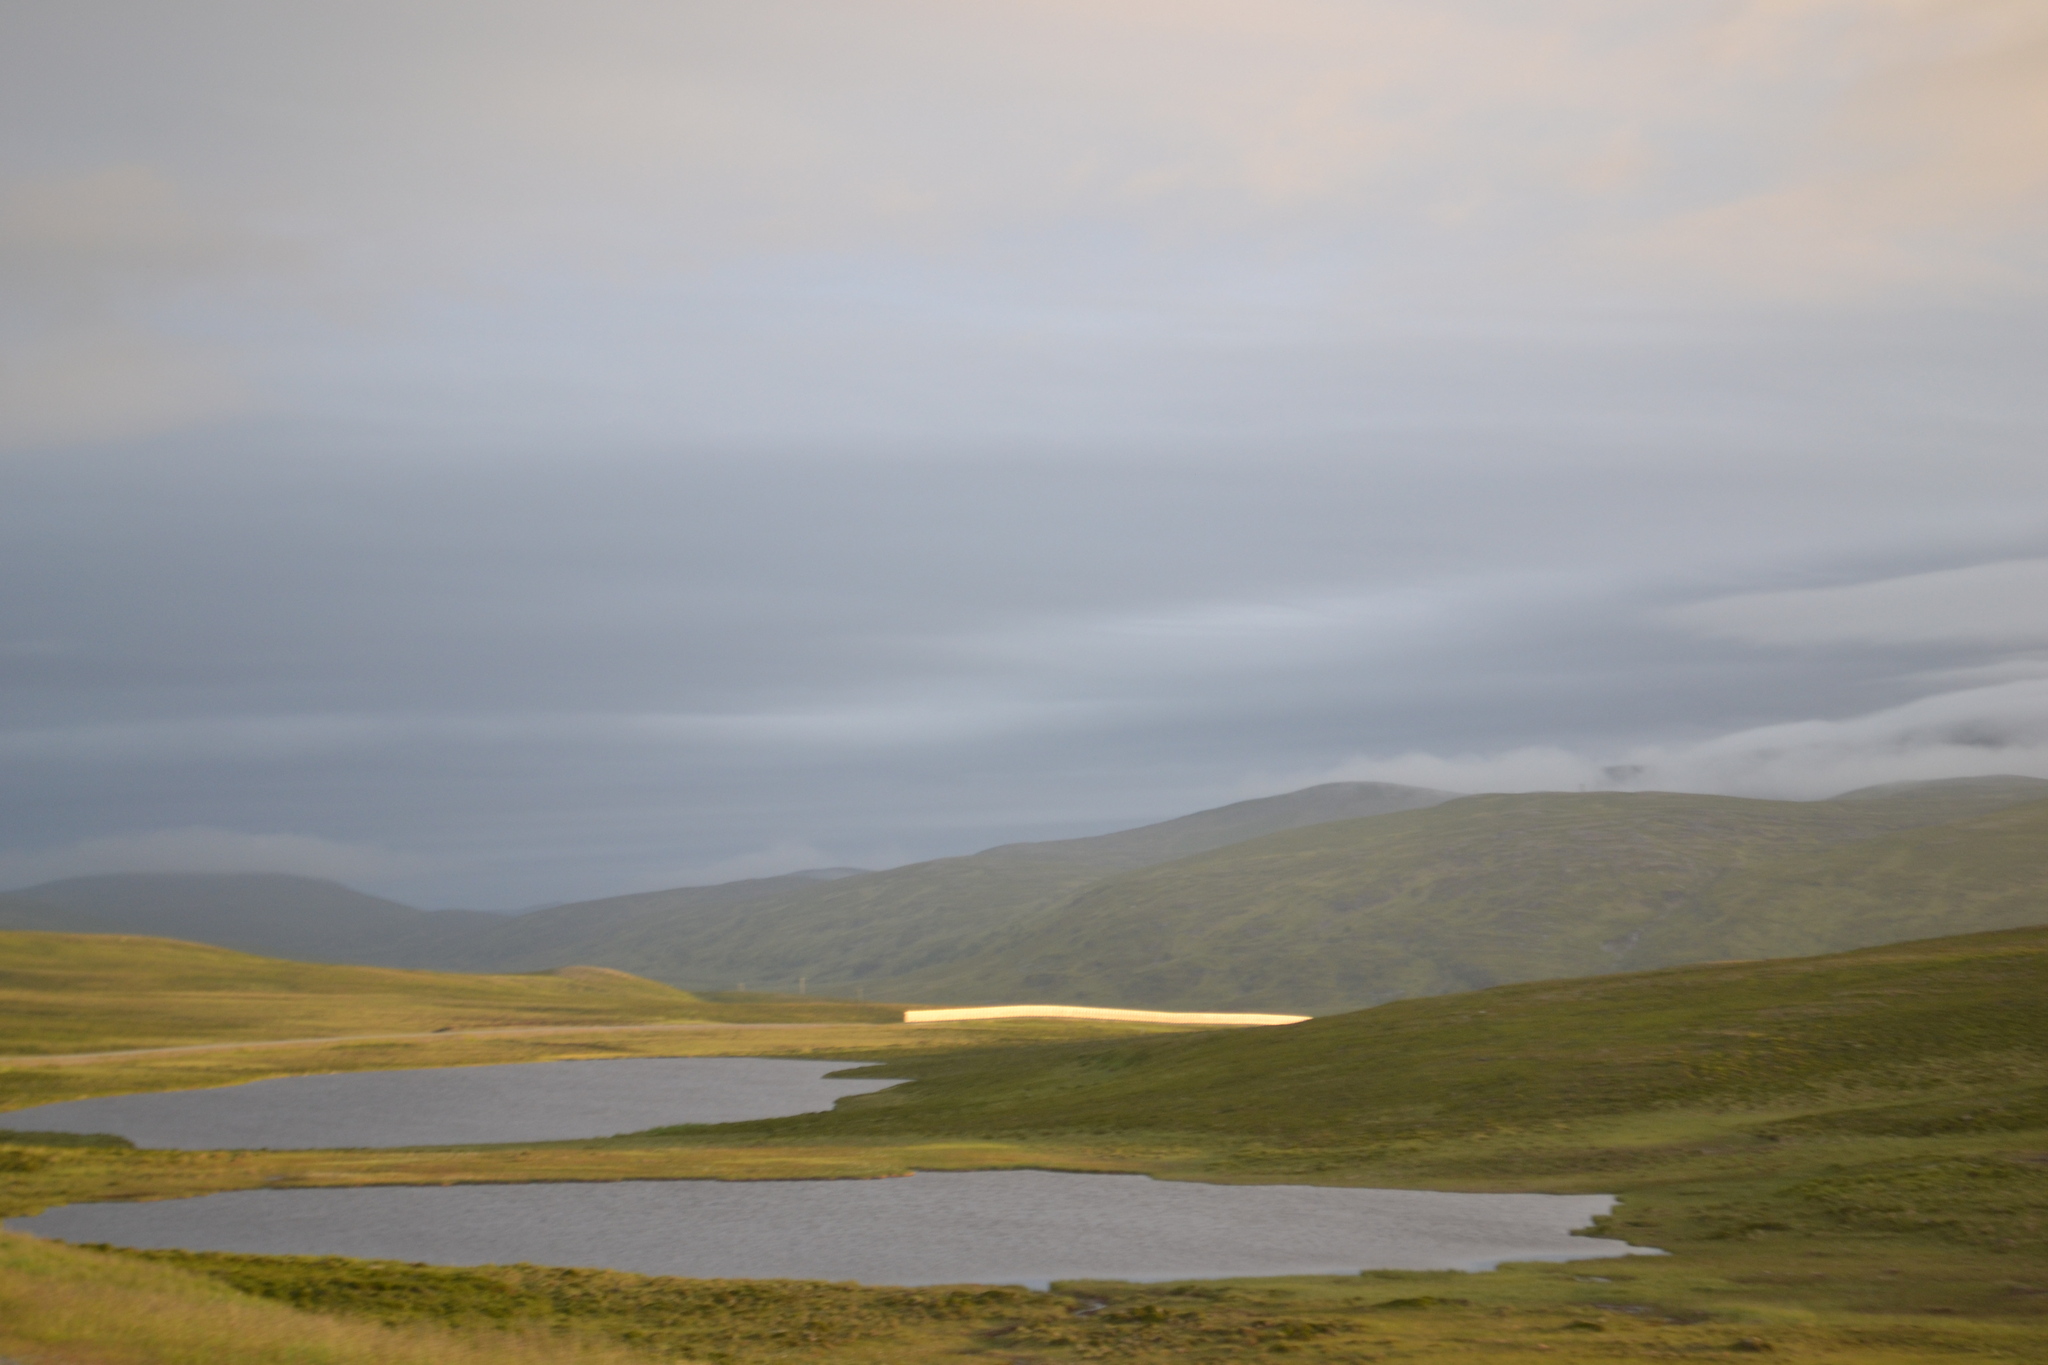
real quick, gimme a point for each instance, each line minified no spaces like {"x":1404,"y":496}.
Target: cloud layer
{"x":571,"y":448}
{"x":1973,"y":733}
{"x":204,"y":850}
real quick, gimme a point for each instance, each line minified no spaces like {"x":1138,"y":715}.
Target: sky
{"x":501,"y":454}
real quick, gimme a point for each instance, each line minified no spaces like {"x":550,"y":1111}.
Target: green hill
{"x":840,"y":927}
{"x":620,"y":929}
{"x":1842,"y":1156}
{"x":1943,"y":1035}
{"x":873,"y":930}
{"x":1492,"y":889}
{"x":86,"y":992}
{"x":1987,"y":872}
{"x":1319,"y":901}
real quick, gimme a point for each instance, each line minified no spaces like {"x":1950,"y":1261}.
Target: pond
{"x":985,"y":1227}
{"x":526,"y":1102}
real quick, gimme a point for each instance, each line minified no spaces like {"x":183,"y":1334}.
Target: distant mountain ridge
{"x":1487,"y":890}
{"x":865,"y":932}
{"x":1327,"y":899}
{"x":274,"y":914}
{"x":313,"y":920}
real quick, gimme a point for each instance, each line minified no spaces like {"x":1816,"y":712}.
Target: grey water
{"x":986,"y":1227}
{"x":524,"y":1102}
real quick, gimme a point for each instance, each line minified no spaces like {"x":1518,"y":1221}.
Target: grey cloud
{"x":84,"y":259}
{"x":572,"y":450}
{"x":1999,"y":603}
{"x":204,"y":850}
{"x":2001,"y":729}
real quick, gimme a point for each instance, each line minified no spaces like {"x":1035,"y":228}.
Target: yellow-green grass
{"x":1348,"y":908}
{"x":1955,"y":1030}
{"x":86,"y":1308}
{"x":1847,"y":1157}
{"x":1495,"y":889}
{"x":67,"y":993}
{"x":1582,"y":1312}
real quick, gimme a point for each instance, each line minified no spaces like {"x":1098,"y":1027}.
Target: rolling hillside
{"x":838,"y":926}
{"x":1936,"y":1036}
{"x":1492,"y":889}
{"x":1320,"y":901}
{"x":867,"y":931}
{"x":85,"y":992}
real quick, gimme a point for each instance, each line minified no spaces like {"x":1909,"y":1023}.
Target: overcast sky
{"x":506,"y":453}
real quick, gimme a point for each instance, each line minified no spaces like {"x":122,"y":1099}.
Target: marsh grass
{"x":68,"y":1304}
{"x":1846,"y":1157}
{"x":1590,"y":1311}
{"x":67,"y":993}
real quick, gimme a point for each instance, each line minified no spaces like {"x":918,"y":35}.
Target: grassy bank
{"x":1837,"y":1249}
{"x":68,"y":993}
{"x":1582,"y":1313}
{"x":1940,"y":1036}
{"x":63,"y":1304}
{"x":1846,"y":1156}
{"x":26,"y":1081}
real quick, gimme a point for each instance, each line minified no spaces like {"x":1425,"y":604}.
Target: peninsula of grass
{"x":72,"y":993}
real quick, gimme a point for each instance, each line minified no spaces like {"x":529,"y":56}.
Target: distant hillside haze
{"x":302,"y":918}
{"x":863,"y":933}
{"x":762,"y":932}
{"x":1487,"y":890}
{"x":1319,"y":901}
{"x":644,"y":927}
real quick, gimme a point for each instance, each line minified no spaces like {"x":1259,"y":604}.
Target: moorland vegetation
{"x":1845,"y":1155}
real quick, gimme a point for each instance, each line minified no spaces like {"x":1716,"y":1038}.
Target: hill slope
{"x":1314,"y":902}
{"x":878,"y":928}
{"x":304,"y":918}
{"x":85,"y":992}
{"x":1892,"y":1039}
{"x":1492,"y":889}
{"x":837,"y":926}
{"x":1987,"y":872}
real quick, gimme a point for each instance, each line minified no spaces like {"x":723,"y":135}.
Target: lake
{"x":526,"y":1102}
{"x":986,"y":1227}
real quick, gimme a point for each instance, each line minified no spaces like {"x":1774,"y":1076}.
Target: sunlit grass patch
{"x":66,"y":1304}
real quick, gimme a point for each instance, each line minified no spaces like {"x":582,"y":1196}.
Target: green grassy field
{"x":1956,"y":1023}
{"x":1847,"y":1157}
{"x":63,"y":993}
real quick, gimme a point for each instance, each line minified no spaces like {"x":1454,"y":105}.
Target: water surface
{"x":984,"y":1227}
{"x":524,"y":1102}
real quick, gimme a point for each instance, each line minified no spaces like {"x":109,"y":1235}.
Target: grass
{"x":66,"y":993}
{"x":1488,"y":890}
{"x":1581,"y":1313}
{"x":1241,"y":909}
{"x":64,"y":1304}
{"x":1847,"y":1157}
{"x":1935,"y":1023}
